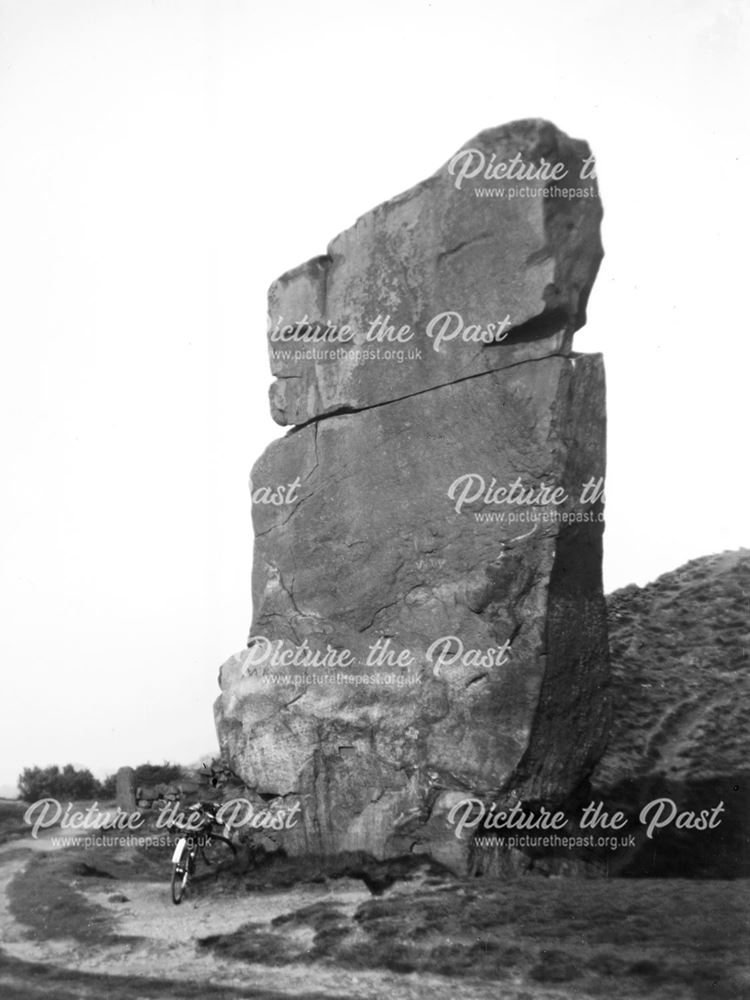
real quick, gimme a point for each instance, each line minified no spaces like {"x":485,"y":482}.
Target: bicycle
{"x":199,"y":837}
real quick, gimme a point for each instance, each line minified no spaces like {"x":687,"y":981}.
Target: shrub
{"x":108,"y":787}
{"x":79,"y":783}
{"x":50,"y":782}
{"x":157,"y":774}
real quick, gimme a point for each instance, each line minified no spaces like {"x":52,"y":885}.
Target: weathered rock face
{"x":425,"y":630}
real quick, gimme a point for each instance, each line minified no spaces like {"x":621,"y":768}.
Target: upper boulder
{"x":485,"y":264}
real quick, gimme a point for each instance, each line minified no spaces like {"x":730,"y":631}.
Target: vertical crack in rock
{"x":428,"y":619}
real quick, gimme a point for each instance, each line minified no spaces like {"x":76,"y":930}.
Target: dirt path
{"x":83,"y":925}
{"x":165,"y":962}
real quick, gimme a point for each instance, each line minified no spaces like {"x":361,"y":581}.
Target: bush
{"x":108,"y":787}
{"x":72,"y":783}
{"x":157,"y":774}
{"x":50,"y":782}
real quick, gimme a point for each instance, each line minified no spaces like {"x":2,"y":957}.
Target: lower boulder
{"x":418,"y":637}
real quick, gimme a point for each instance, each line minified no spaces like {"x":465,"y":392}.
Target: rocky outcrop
{"x":681,"y":720}
{"x":428,"y":617}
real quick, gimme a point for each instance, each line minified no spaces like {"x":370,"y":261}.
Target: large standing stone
{"x":125,"y":789}
{"x":380,"y":533}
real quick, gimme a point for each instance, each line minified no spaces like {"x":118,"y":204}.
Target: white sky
{"x":162,"y":162}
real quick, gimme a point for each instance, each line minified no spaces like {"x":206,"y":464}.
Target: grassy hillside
{"x":680,"y":650}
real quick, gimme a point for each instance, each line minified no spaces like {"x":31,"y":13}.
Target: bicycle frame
{"x":185,"y":852}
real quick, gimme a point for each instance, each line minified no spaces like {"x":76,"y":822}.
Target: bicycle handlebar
{"x":208,"y":812}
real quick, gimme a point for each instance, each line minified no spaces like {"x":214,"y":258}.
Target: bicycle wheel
{"x":180,"y":875}
{"x":218,"y":849}
{"x":181,"y":869}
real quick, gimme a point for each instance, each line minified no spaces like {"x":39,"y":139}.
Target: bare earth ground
{"x":78,"y":923}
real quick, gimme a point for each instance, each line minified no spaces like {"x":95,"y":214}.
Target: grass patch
{"x":44,"y":898}
{"x":20,"y":980}
{"x":600,"y":938}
